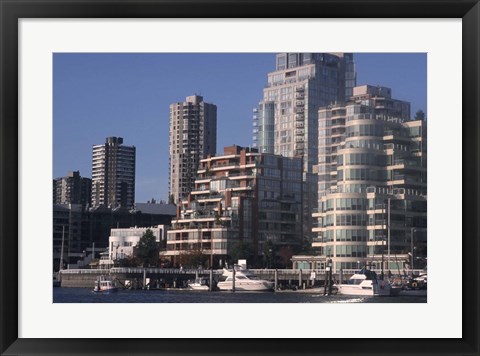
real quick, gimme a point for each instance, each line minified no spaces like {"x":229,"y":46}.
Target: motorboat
{"x":366,"y":283}
{"x":105,"y":284}
{"x":415,"y":287}
{"x":200,"y":283}
{"x":244,"y":281}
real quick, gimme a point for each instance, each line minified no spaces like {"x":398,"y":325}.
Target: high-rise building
{"x":241,"y":198}
{"x":372,"y":169}
{"x":113,"y":174}
{"x":193,"y":136}
{"x":72,"y":189}
{"x":286,"y":120}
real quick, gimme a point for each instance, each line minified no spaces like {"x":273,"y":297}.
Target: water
{"x":85,"y":295}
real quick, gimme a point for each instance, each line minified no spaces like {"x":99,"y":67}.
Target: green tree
{"x":192,"y":259}
{"x":162,"y":246}
{"x":147,"y":249}
{"x":240,"y":250}
{"x":420,"y":115}
{"x":269,"y":252}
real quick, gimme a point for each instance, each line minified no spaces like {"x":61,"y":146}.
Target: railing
{"x":85,"y":271}
{"x":162,"y":270}
{"x":263,"y":273}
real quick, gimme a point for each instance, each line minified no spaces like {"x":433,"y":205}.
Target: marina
{"x":137,"y":277}
{"x":154,"y":285}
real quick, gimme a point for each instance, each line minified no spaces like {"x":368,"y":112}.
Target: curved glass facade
{"x":372,"y":182}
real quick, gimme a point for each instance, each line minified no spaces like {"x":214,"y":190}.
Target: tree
{"x":269,"y":252}
{"x":129,"y":261}
{"x":240,"y":250}
{"x":285,"y":254}
{"x":419,"y":115}
{"x":162,"y":246}
{"x":192,"y":259}
{"x":147,"y":249}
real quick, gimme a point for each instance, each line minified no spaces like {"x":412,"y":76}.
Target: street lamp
{"x":411,"y":247}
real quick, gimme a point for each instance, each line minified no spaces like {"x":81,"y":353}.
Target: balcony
{"x":299,"y":125}
{"x":391,"y":135}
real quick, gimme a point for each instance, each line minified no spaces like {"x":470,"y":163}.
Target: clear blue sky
{"x":128,"y":95}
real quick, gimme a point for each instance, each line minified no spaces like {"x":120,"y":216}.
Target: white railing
{"x":140,"y":270}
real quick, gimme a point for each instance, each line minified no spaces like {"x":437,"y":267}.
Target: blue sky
{"x":128,"y":95}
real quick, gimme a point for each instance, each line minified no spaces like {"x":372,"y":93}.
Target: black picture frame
{"x":13,"y":10}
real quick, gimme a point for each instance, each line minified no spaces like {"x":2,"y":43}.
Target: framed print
{"x":44,"y":42}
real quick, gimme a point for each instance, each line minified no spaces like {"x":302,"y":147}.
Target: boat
{"x":245,"y":280}
{"x":200,"y":283}
{"x":366,"y":283}
{"x":105,"y":284}
{"x":415,"y":287}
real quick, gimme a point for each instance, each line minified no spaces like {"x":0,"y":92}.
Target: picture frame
{"x":12,"y":11}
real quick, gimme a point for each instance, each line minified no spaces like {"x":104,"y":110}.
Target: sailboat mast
{"x":388,"y":236}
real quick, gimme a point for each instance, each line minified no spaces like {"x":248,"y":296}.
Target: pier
{"x":142,"y":278}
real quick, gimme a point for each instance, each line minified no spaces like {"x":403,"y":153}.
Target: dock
{"x":141,"y":278}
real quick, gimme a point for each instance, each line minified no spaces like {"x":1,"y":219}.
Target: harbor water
{"x":85,"y":295}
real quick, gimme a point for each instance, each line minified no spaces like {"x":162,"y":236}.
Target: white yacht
{"x":244,"y":281}
{"x":365,"y":283}
{"x":104,"y":284}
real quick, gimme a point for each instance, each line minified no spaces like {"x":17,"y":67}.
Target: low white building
{"x":122,"y":241}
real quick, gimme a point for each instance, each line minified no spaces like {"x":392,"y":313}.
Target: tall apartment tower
{"x":193,"y":136}
{"x":113,"y":174}
{"x":372,"y":169}
{"x":286,"y":120}
{"x":72,"y":189}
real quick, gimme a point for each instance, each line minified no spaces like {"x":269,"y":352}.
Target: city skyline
{"x":128,"y":95}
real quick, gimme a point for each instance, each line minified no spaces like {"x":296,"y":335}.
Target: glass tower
{"x":372,"y":170}
{"x":286,"y":120}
